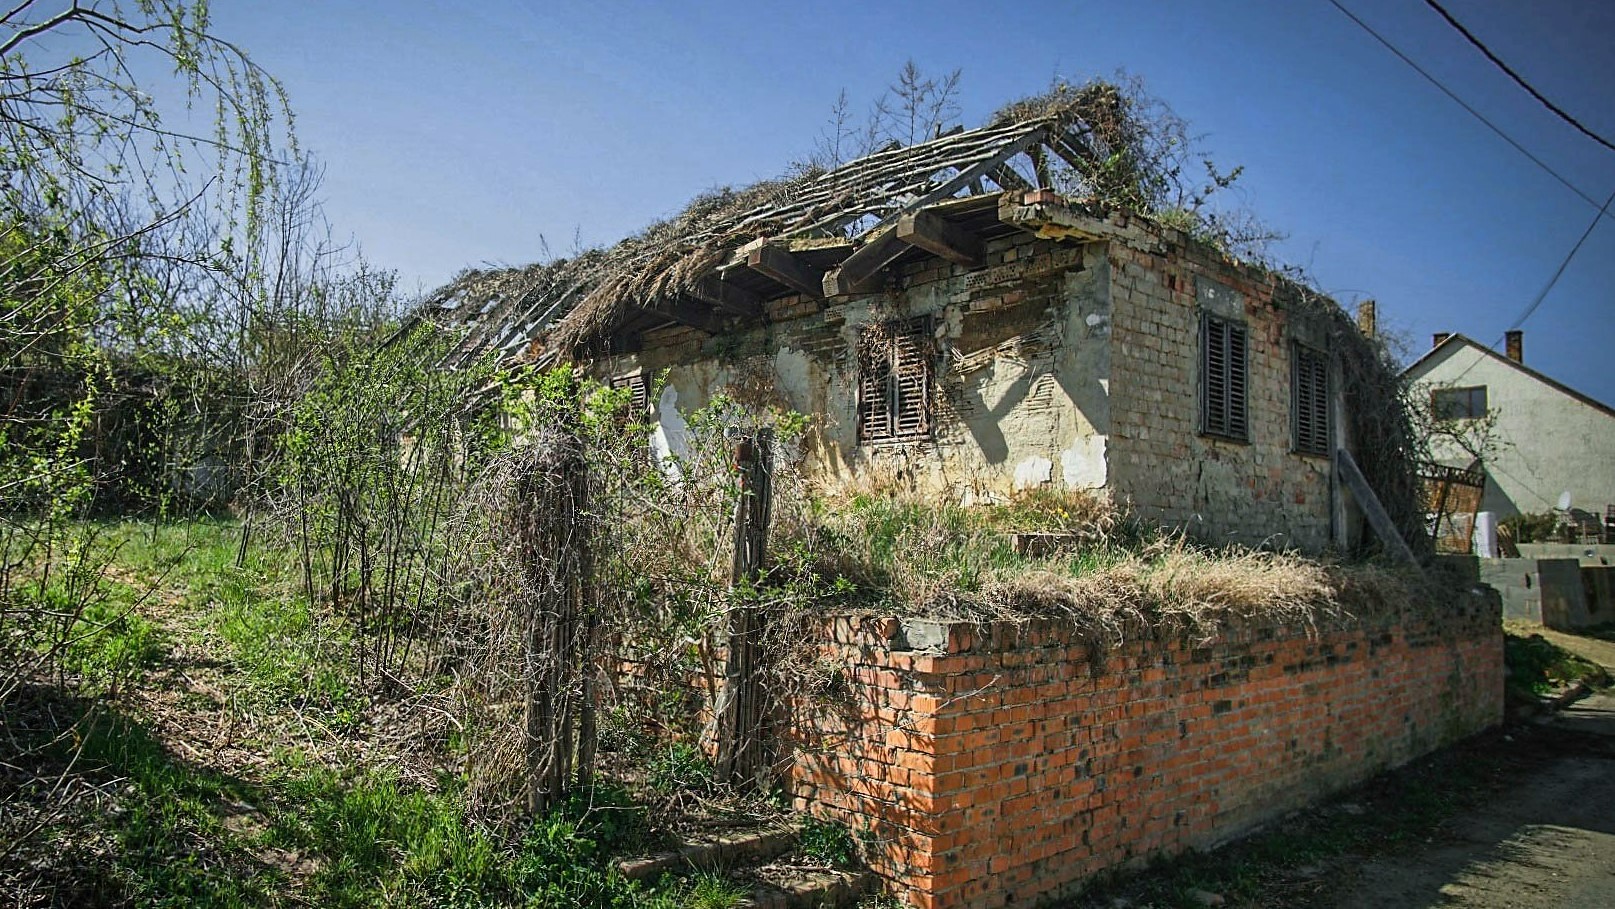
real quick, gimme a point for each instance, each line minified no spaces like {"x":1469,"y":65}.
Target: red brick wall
{"x":999,"y":764}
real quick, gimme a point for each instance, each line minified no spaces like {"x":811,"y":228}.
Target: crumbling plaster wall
{"x":1061,"y":363}
{"x":1250,"y":492}
{"x":1021,"y":392}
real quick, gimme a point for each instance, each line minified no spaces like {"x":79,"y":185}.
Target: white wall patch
{"x":671,"y":438}
{"x":1033,"y":471}
{"x":1083,"y":466}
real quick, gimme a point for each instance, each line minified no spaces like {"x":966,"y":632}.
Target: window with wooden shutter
{"x":1309,"y":390}
{"x":894,"y":381}
{"x":1224,"y":351}
{"x":638,"y":392}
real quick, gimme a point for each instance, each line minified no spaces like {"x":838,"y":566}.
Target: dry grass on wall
{"x":1103,"y":571}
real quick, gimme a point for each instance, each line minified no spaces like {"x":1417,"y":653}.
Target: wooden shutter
{"x":874,"y":398}
{"x":911,"y":384}
{"x":1224,"y":354}
{"x":638,"y":391}
{"x":1309,"y":389}
{"x":894,"y":382}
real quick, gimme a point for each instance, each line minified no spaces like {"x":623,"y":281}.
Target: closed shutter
{"x":1310,"y":390}
{"x":638,"y":392}
{"x":1224,"y":353}
{"x":894,"y":382}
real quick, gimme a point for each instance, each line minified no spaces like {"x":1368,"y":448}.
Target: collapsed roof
{"x":822,"y":234}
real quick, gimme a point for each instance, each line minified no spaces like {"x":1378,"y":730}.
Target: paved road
{"x":1548,"y":843}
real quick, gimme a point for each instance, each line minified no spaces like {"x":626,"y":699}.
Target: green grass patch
{"x":111,"y":645}
{"x":1537,"y":666}
{"x":167,"y":821}
{"x":829,"y":842}
{"x":381,"y":843}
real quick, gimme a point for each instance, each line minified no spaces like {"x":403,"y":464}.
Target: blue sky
{"x":460,"y":135}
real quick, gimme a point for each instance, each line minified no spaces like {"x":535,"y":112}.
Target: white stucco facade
{"x":1545,"y":439}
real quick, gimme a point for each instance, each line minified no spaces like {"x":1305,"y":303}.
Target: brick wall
{"x":1160,"y":463}
{"x":985,"y":766}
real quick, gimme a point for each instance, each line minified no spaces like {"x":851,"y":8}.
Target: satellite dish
{"x":1564,"y":500}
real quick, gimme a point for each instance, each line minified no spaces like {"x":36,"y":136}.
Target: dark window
{"x":894,"y":381}
{"x":638,"y":392}
{"x":1467,"y":403}
{"x":1309,"y":389}
{"x":1224,"y":349}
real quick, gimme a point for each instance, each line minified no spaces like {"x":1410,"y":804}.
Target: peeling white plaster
{"x":1033,"y":471}
{"x":1082,"y":466}
{"x":671,"y":439}
{"x":793,"y":372}
{"x":1098,"y":325}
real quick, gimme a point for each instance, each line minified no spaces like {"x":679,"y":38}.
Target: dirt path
{"x":1546,"y":843}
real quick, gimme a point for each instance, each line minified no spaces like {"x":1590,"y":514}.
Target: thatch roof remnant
{"x":821,"y":234}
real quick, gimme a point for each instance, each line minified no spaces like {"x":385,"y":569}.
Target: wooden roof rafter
{"x":821,"y":235}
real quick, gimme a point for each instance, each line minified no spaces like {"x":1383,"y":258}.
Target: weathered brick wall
{"x":1160,"y":463}
{"x":985,"y":766}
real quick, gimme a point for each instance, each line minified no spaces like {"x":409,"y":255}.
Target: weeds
{"x":709,"y":890}
{"x":828,"y":842}
{"x":1537,"y":666}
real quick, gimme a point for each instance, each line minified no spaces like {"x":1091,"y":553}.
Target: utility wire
{"x":1543,"y":295}
{"x":1465,"y":105}
{"x":1518,"y":79}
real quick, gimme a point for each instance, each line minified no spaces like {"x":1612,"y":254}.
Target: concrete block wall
{"x":1252,"y":492}
{"x":1562,"y":593}
{"x":998,"y":765}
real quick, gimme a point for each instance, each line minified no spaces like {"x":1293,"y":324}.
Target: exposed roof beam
{"x":861,"y":272}
{"x":940,"y":237}
{"x":728,"y":297}
{"x":1072,"y":152}
{"x":1040,"y":166}
{"x":696,"y":315}
{"x":777,"y":263}
{"x":1006,"y":178}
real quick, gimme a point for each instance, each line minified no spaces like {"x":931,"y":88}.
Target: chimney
{"x":1439,"y":338}
{"x":1514,"y":345}
{"x":1367,"y":319}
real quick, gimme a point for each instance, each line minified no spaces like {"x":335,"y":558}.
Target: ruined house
{"x":957,"y":319}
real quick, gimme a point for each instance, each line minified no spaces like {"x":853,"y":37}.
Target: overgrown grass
{"x":161,"y":824}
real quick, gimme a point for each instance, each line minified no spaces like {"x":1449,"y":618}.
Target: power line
{"x":1466,"y":106}
{"x":1518,"y":79}
{"x":1543,"y":295}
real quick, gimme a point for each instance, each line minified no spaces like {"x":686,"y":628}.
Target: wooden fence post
{"x":552,"y":491}
{"x":742,"y":712}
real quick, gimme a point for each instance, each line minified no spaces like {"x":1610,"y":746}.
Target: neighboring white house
{"x":1542,"y":441}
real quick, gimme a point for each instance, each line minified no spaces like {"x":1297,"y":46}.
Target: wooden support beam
{"x":696,"y":314}
{"x":943,"y":238}
{"x":725,"y":296}
{"x":1378,"y":518}
{"x":1070,"y":150}
{"x":1040,"y":166}
{"x":1006,"y":177}
{"x":861,"y":273}
{"x":777,"y":263}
